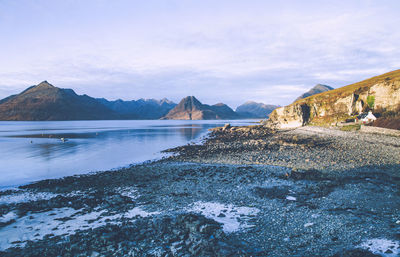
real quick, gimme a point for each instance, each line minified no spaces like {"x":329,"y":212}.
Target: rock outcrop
{"x":336,"y":105}
{"x":252,"y":109}
{"x":190,"y":108}
{"x":317,"y":89}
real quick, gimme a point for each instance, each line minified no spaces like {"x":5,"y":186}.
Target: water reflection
{"x":192,"y":132}
{"x":34,"y":150}
{"x":48,"y":150}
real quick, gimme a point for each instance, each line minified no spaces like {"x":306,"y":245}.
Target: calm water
{"x":32,"y":151}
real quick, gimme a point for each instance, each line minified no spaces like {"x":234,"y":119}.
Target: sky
{"x":219,"y":51}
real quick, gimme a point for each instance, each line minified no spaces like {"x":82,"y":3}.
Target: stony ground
{"x":333,"y":193}
{"x":303,"y":148}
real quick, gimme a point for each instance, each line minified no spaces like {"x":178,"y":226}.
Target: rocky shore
{"x":318,"y":148}
{"x":246,"y":191}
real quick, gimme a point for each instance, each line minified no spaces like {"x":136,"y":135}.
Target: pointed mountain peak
{"x":252,"y":109}
{"x":322,"y":87}
{"x":190,"y":98}
{"x":44,"y":85}
{"x":189,"y":108}
{"x":319,"y":88}
{"x":166,"y":100}
{"x":220,"y":104}
{"x":190,"y":102}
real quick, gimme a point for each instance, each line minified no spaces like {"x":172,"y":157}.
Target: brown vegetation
{"x":357,"y":87}
{"x":329,"y":108}
{"x":387,"y":119}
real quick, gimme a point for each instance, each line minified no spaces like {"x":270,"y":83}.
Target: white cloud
{"x":156,"y":49}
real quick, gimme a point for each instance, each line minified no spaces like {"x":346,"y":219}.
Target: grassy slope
{"x":359,"y":86}
{"x":329,"y":98}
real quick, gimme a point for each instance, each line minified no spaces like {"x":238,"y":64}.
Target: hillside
{"x":336,"y":105}
{"x":46,"y":102}
{"x":388,"y":119}
{"x":252,"y":109}
{"x":317,"y":89}
{"x":189,"y":108}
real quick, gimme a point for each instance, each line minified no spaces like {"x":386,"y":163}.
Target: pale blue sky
{"x":220,"y":51}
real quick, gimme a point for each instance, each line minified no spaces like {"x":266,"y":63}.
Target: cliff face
{"x":337,"y":105}
{"x":190,"y":108}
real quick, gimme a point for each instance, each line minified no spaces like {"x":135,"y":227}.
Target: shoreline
{"x":225,"y":197}
{"x":290,"y":148}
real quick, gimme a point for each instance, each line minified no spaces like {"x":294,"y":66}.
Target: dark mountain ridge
{"x":319,"y":88}
{"x":252,"y":109}
{"x":140,"y":109}
{"x":46,"y":102}
{"x":189,"y":108}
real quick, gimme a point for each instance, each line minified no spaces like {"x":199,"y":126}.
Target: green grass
{"x":353,"y":127}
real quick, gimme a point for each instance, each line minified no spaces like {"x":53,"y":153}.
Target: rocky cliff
{"x":189,"y":108}
{"x":336,"y":105}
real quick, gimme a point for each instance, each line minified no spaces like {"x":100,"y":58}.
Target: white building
{"x":366,"y":117}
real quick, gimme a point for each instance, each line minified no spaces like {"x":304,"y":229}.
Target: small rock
{"x":95,"y":254}
{"x":291,"y":198}
{"x":176,"y":247}
{"x":207,"y":228}
{"x":308,"y":225}
{"x":226,"y":127}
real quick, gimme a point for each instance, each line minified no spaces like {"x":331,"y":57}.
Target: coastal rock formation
{"x":252,"y":109}
{"x":319,"y":88}
{"x":47,"y":102}
{"x":380,"y":93}
{"x":190,"y":108}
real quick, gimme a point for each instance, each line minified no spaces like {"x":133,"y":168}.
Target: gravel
{"x":303,"y":148}
{"x":243,"y":192}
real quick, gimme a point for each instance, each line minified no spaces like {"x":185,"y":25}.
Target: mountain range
{"x":144,"y":109}
{"x":189,"y":108}
{"x":319,"y":88}
{"x":255,"y":110}
{"x":47,"y":102}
